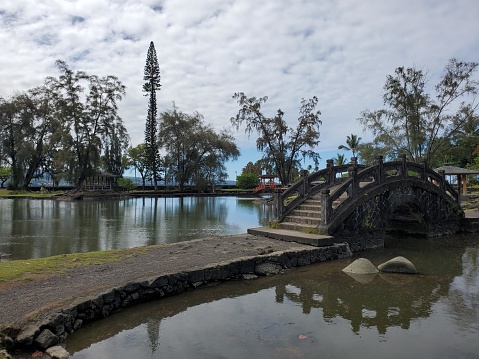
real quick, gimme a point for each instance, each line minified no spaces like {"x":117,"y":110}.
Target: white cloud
{"x":340,"y":51}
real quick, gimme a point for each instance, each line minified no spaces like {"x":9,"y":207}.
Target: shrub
{"x":126,"y":184}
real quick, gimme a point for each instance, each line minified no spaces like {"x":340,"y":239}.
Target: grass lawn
{"x":25,"y":269}
{"x":27,"y":194}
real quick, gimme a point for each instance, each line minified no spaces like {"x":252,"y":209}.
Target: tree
{"x":352,"y":143}
{"x":5,"y":174}
{"x":283,"y":146}
{"x":370,"y":150}
{"x":11,"y":139}
{"x":247,"y":180}
{"x":114,"y":159}
{"x":417,"y":123}
{"x":340,"y":159}
{"x":126,"y":184}
{"x":255,"y":168}
{"x":195,"y":151}
{"x":27,"y":131}
{"x":91,"y":118}
{"x":138,"y":159}
{"x":150,"y":87}
{"x":463,"y":146}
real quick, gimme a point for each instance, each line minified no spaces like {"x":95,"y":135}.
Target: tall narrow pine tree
{"x":151,"y":85}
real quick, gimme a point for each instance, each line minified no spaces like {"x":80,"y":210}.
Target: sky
{"x":337,"y":50}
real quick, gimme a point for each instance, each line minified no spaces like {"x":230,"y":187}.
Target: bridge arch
{"x":364,"y":223}
{"x":359,"y":208}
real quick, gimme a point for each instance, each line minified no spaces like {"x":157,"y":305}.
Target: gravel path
{"x":21,"y":301}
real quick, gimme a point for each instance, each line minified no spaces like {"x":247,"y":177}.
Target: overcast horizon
{"x":339,"y":51}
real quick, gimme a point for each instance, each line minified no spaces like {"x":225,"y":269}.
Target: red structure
{"x":266,"y":182}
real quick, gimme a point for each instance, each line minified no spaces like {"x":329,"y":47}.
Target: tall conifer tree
{"x":151,"y":85}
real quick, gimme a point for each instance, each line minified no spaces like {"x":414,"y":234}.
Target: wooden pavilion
{"x":461,"y":174}
{"x":101,"y":182}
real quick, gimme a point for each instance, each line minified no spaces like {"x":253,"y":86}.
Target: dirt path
{"x":21,"y":301}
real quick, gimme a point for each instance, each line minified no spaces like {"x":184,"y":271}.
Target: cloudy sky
{"x":337,"y":50}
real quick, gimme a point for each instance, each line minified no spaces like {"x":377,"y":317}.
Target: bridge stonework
{"x":360,"y":207}
{"x":365,"y":226}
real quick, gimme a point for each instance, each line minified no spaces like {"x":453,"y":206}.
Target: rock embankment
{"x":66,"y":302}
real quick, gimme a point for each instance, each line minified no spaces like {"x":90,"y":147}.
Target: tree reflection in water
{"x":448,"y":280}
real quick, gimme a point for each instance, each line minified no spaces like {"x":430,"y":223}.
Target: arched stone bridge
{"x":357,"y":203}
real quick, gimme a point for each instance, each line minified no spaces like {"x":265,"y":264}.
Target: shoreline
{"x":43,"y":311}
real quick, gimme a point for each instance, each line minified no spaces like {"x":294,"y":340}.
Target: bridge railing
{"x":339,"y":185}
{"x":309,"y":185}
{"x":375,"y":175}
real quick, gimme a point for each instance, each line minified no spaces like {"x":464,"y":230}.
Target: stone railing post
{"x":354,"y":162}
{"x":352,"y":171}
{"x":278,"y":207}
{"x":326,"y":207}
{"x":378,"y":161}
{"x":304,"y":179}
{"x":424,"y":170}
{"x":403,"y":169}
{"x":442,"y":183}
{"x":331,"y":174}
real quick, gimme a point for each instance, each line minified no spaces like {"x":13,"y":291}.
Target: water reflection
{"x":311,"y":310}
{"x":40,"y":228}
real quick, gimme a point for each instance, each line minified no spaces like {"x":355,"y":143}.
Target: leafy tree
{"x":114,"y":159}
{"x":28,"y":130}
{"x":462,"y":146}
{"x":417,"y":123}
{"x":42,"y":132}
{"x":247,"y":180}
{"x":352,"y":143}
{"x":283,"y":146}
{"x":368,"y":152}
{"x":195,"y":151}
{"x":138,"y":159}
{"x":5,"y":174}
{"x":126,"y":184}
{"x":91,"y":117}
{"x":150,"y":87}
{"x":256,"y":168}
{"x":11,"y":139}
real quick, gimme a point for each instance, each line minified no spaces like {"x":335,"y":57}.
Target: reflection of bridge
{"x":357,"y":203}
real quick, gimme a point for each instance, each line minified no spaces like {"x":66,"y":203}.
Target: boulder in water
{"x":361,"y":266}
{"x":398,"y":265}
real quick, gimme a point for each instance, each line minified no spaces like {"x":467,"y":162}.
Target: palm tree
{"x":352,"y":143}
{"x":339,"y":160}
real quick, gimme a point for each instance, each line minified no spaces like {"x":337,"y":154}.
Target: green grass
{"x":27,"y":269}
{"x":233,"y":190}
{"x":26,"y":194}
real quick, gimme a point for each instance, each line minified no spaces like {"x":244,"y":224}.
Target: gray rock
{"x":5,"y":355}
{"x":46,"y":339}
{"x":268,"y":268}
{"x":398,"y":265}
{"x":6,"y":342}
{"x":361,"y":266}
{"x":57,"y":352}
{"x":25,"y":337}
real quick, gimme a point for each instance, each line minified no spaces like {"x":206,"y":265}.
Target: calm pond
{"x":40,"y":228}
{"x":309,"y":312}
{"x":312,"y":312}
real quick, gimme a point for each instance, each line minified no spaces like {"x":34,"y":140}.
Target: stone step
{"x":308,"y":207}
{"x":306,"y":213}
{"x":297,"y":227}
{"x":303,"y":220}
{"x":313,"y":202}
